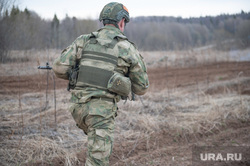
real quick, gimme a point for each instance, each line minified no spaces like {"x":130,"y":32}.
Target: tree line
{"x":24,"y":30}
{"x":171,"y":33}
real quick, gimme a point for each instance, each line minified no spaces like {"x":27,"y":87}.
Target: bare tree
{"x":4,"y":8}
{"x":5,"y":5}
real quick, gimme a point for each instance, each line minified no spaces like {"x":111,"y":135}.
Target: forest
{"x":25,"y":30}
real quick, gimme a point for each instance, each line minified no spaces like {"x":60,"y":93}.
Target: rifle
{"x":73,"y":75}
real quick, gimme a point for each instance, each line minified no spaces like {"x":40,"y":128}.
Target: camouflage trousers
{"x":97,"y":119}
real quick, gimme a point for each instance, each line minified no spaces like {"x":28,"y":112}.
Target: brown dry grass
{"x":28,"y":135}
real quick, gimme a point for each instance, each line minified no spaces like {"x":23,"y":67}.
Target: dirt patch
{"x":162,"y":78}
{"x":30,"y":83}
{"x":159,"y":128}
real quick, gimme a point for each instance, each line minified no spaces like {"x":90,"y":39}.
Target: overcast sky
{"x":91,"y":8}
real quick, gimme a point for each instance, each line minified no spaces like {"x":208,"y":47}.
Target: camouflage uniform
{"x":94,"y":109}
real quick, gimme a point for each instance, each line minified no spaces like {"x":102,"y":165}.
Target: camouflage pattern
{"x":130,"y":63}
{"x":114,"y":11}
{"x":91,"y":113}
{"x":96,"y":118}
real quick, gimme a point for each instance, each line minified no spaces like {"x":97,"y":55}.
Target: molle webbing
{"x":98,"y":62}
{"x":94,"y":76}
{"x":100,"y":57}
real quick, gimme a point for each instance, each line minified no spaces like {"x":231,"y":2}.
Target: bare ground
{"x":160,"y":78}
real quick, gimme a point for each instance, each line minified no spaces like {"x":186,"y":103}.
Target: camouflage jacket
{"x":130,"y":63}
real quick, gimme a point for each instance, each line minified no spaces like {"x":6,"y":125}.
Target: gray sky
{"x":91,"y":8}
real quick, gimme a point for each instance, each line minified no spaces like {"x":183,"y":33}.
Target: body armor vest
{"x":98,"y":64}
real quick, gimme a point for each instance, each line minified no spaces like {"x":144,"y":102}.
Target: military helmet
{"x":113,"y":12}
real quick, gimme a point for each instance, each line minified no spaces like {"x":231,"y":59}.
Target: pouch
{"x":119,"y":84}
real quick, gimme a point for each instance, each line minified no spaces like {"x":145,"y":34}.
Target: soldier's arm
{"x":138,"y":72}
{"x":64,"y":63}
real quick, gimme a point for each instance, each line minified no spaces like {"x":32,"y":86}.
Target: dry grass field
{"x":197,"y":97}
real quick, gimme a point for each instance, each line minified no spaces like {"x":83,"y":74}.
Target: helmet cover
{"x":113,"y":13}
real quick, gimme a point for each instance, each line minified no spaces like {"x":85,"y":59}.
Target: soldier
{"x":110,"y":69}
